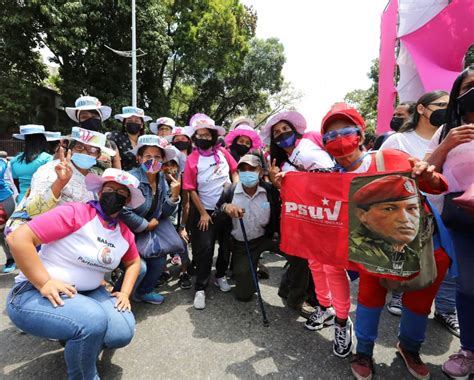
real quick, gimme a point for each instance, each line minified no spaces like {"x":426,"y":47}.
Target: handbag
{"x":428,"y":271}
{"x":159,"y":242}
{"x":455,"y":215}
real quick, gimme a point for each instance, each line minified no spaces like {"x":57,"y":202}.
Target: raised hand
{"x":63,"y":168}
{"x":273,"y":172}
{"x":175,"y":186}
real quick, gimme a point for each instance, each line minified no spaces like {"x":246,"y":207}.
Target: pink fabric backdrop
{"x":439,"y":46}
{"x":387,"y":91}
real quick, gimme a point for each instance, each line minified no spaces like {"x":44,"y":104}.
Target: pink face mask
{"x":152,"y":166}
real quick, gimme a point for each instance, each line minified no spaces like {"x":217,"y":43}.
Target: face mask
{"x":83,"y":161}
{"x":396,"y":123}
{"x":133,"y":128}
{"x":182,"y":145}
{"x":249,"y":179}
{"x":466,"y":101}
{"x":241,"y":149}
{"x":438,"y":117}
{"x":285,"y":140}
{"x":342,"y":145}
{"x":152,"y":166}
{"x":204,"y":144}
{"x":91,"y":124}
{"x":112,"y":203}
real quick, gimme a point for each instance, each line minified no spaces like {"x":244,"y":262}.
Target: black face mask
{"x":396,"y":123}
{"x":466,"y":101}
{"x":112,"y":203}
{"x":91,"y":124}
{"x":241,"y":149}
{"x":204,"y":144}
{"x":133,"y":128}
{"x":438,"y":117}
{"x":182,"y":145}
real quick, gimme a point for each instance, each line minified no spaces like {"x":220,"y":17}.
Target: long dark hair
{"x":35,"y":144}
{"x":453,"y":117}
{"x":425,"y":100}
{"x":277,"y":153}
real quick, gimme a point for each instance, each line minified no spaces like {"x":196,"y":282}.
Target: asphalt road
{"x":225,"y":341}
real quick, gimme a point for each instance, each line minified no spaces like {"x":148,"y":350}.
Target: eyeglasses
{"x":439,"y":104}
{"x":91,"y":150}
{"x":123,"y":192}
{"x":353,"y":130}
{"x":206,"y":136}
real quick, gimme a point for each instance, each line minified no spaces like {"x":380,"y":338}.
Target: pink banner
{"x":387,"y":90}
{"x":439,"y":46}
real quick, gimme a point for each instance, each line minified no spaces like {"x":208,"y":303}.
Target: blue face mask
{"x":285,"y":140}
{"x":249,"y":179}
{"x":83,"y":161}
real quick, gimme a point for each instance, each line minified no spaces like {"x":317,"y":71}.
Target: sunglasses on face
{"x":123,"y":192}
{"x":348,"y":131}
{"x":91,"y":150}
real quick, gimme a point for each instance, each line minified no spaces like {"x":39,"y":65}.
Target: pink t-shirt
{"x":204,"y":175}
{"x":77,"y":248}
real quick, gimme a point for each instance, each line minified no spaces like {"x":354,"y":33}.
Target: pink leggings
{"x":332,"y":287}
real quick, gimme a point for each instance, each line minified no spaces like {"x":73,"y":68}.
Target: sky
{"x":329,"y":46}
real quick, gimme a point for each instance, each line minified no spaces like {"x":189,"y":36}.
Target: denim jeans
{"x":445,"y":301}
{"x":154,"y":269}
{"x":87,"y":323}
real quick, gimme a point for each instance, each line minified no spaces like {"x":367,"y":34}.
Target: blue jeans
{"x":154,"y":269}
{"x":87,"y":322}
{"x":445,"y":301}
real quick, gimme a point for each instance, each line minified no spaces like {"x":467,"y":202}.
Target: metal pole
{"x":134,"y":57}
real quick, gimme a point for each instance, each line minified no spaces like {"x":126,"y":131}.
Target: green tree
{"x":366,"y":100}
{"x":201,"y":55}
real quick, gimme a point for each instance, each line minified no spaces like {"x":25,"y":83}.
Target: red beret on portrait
{"x":386,"y":189}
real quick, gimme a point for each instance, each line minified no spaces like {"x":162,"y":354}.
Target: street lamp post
{"x":134,"y":57}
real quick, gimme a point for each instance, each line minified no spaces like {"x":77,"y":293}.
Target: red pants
{"x":372,"y":294}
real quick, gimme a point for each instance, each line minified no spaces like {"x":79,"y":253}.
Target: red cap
{"x":342,"y":111}
{"x":391,"y":188}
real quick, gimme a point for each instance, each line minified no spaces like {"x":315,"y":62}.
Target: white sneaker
{"x":343,"y":338}
{"x":199,"y":300}
{"x":222,"y":284}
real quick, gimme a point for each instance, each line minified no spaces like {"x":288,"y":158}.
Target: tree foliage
{"x":201,"y":55}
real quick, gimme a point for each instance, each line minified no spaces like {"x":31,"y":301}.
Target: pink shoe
{"x":460,"y":365}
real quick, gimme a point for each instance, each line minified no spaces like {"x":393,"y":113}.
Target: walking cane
{"x":254,"y":275}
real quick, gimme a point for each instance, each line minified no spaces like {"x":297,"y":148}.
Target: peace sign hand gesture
{"x":175,"y":186}
{"x":63,"y":168}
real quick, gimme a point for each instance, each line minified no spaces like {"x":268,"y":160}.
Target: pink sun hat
{"x":293,"y":117}
{"x":244,"y":130}
{"x":95,"y":183}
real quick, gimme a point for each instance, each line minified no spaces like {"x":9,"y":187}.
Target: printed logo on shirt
{"x":104,"y":256}
{"x":104,"y":241}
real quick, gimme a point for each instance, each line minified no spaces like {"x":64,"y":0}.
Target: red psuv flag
{"x":315,"y":216}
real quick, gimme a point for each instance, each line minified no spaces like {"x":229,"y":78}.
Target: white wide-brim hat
{"x":88,"y":103}
{"x":35,"y":129}
{"x":200,"y":121}
{"x":91,"y":138}
{"x":130,"y":111}
{"x":296,"y":119}
{"x":240,"y":121}
{"x":162,"y":121}
{"x":160,"y":142}
{"x":180,"y":131}
{"x":95,"y":183}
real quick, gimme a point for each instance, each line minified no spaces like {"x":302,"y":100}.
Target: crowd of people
{"x":92,"y":221}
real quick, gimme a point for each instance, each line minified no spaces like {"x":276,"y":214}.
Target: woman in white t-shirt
{"x":452,"y":151}
{"x":415,"y":134}
{"x":58,"y":293}
{"x":291,"y":149}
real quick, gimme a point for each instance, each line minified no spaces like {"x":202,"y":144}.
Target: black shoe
{"x":262,"y":272}
{"x":184,"y":281}
{"x":164,"y":278}
{"x":449,"y":321}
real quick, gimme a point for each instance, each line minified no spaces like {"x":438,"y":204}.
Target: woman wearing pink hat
{"x":452,"y":151}
{"x":207,"y":170}
{"x":291,"y":149}
{"x":58,"y":293}
{"x":241,"y":140}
